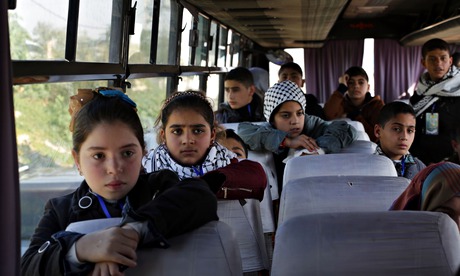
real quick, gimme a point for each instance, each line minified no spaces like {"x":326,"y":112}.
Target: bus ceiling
{"x":310,"y":23}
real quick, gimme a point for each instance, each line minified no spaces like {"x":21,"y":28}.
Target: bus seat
{"x":370,"y":243}
{"x":360,"y":146}
{"x":211,"y":249}
{"x":338,"y":164}
{"x":325,"y":194}
{"x":244,"y":217}
{"x":362,"y":135}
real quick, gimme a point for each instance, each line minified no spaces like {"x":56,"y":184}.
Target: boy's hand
{"x":116,"y":245}
{"x":344,"y":79}
{"x":302,"y":141}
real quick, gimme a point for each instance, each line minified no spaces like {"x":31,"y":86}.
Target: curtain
{"x":324,"y":66}
{"x":10,"y":230}
{"x":396,"y":69}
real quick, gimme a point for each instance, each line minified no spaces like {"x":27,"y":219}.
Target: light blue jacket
{"x":331,"y":136}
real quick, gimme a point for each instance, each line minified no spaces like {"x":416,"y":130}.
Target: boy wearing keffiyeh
{"x":436,"y":102}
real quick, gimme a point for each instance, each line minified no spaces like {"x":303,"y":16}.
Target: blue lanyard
{"x":198,"y":172}
{"x":104,"y":207}
{"x":249,"y":110}
{"x":403,"y":166}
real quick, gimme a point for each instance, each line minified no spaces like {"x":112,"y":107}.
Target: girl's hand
{"x":116,"y":245}
{"x":107,"y":269}
{"x":302,"y":141}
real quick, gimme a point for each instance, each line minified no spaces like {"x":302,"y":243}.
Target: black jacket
{"x":253,"y":112}
{"x":179,"y":206}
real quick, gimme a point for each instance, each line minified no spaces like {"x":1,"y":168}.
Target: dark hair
{"x":242,"y":75}
{"x":290,"y":65}
{"x":356,"y":71}
{"x":390,"y":110}
{"x":455,"y":134}
{"x":190,"y":99}
{"x":230,"y":133}
{"x":433,"y":44}
{"x":102,"y":109}
{"x":456,"y":59}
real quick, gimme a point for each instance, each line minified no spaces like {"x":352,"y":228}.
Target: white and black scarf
{"x":449,"y":86}
{"x":218,"y":156}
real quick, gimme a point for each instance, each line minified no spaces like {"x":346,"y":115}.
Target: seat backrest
{"x":245,"y":219}
{"x":330,"y":194}
{"x":360,"y":146}
{"x":209,"y":250}
{"x":372,"y":243}
{"x":338,"y":164}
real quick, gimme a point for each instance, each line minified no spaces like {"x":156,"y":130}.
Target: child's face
{"x":290,"y":118}
{"x":110,"y":166}
{"x":292,"y":75}
{"x":237,"y":94}
{"x":452,"y":209}
{"x":187,"y":136}
{"x":437,"y":63}
{"x":235,"y":146}
{"x":397,"y":135}
{"x":357,"y":87}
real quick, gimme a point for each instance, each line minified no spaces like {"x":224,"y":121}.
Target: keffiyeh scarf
{"x":449,"y":86}
{"x":159,"y":158}
{"x":408,"y":160}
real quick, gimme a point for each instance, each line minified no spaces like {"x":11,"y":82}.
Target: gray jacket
{"x":331,"y":136}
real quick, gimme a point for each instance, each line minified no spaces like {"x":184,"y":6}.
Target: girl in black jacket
{"x":108,"y":145}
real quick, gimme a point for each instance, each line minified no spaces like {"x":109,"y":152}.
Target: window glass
{"x":213,"y":47}
{"x":38,"y":29}
{"x":222,"y":51}
{"x":235,"y":49}
{"x":187,"y":21}
{"x":167,"y":33}
{"x":189,"y":82}
{"x":139,"y":42}
{"x":230,"y":46}
{"x":202,"y":49}
{"x":99,"y":33}
{"x":213,"y":90}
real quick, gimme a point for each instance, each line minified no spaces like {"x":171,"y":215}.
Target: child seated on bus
{"x":154,"y":206}
{"x":232,"y":141}
{"x":288,"y":127}
{"x":187,"y":145}
{"x":435,"y":188}
{"x":395,"y":131}
{"x":353,"y":101}
{"x":292,"y":71}
{"x":455,"y":142}
{"x":242,"y":104}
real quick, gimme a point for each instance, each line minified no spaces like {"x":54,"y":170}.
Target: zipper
{"x":225,"y":189}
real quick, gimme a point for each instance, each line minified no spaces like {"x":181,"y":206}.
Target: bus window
{"x":214,"y":36}
{"x":222,"y":52}
{"x":99,"y":31}
{"x":201,"y":52}
{"x":139,"y":42}
{"x":167,"y":32}
{"x":187,"y":22}
{"x":37,"y":30}
{"x":189,"y":82}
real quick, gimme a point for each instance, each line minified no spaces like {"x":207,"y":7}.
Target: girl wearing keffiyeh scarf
{"x":186,"y":136}
{"x":435,"y":188}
